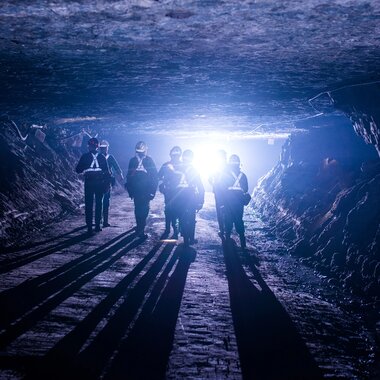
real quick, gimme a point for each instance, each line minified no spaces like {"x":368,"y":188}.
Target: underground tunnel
{"x":292,"y":88}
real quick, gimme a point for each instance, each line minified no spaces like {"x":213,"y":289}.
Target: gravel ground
{"x":112,"y":306}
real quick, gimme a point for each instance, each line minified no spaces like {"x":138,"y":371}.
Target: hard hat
{"x":104,"y":144}
{"x":93,"y":142}
{"x":176,"y":151}
{"x":188,"y":155}
{"x":234,"y":160}
{"x":141,"y":147}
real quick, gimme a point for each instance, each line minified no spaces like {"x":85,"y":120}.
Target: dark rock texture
{"x":38,"y":182}
{"x":145,"y":64}
{"x":361,"y":105}
{"x":323,"y":197}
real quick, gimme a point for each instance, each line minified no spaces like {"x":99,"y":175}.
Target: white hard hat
{"x":104,"y":144}
{"x":234,"y":160}
{"x":141,"y":147}
{"x":176,"y":151}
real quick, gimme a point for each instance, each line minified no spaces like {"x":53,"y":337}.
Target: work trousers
{"x":106,"y":205}
{"x":233,"y":214}
{"x":170,"y":214}
{"x":184,"y":209}
{"x":91,"y":191}
{"x":219,"y":206}
{"x":141,"y":212}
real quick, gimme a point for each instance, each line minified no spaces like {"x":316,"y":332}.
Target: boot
{"x":175,"y":234}
{"x":105,"y":218}
{"x":166,"y":233}
{"x":140,"y":231}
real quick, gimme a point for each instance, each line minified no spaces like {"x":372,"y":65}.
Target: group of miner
{"x":177,"y":180}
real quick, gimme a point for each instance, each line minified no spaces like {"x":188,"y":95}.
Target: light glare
{"x":206,"y":159}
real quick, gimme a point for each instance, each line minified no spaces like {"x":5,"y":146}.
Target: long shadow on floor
{"x":145,"y":353}
{"x":137,"y":339}
{"x":268,"y":342}
{"x":29,"y":302}
{"x":18,"y":248}
{"x":16,"y":262}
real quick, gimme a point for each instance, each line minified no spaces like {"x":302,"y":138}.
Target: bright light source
{"x":206,"y":159}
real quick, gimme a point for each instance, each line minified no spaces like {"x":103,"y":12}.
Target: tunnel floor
{"x":112,"y":306}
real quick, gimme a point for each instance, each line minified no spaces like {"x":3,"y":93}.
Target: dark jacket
{"x":94,"y":173}
{"x":114,"y":168}
{"x":113,"y":165}
{"x":142,"y":178}
{"x":219,"y":182}
{"x":190,"y":187}
{"x":236,"y":185}
{"x":170,"y":176}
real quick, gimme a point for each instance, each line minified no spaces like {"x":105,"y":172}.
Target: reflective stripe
{"x":183,"y":182}
{"x":92,"y":170}
{"x":94,"y":167}
{"x":140,"y":166}
{"x":236,"y":185}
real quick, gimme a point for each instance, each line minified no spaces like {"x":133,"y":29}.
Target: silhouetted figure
{"x":141,"y":184}
{"x":96,"y":182}
{"x":236,"y":196}
{"x":115,"y":170}
{"x":169,"y":176}
{"x":189,"y":198}
{"x":218,"y":182}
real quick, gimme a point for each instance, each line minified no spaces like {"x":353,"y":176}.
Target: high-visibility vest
{"x":94,"y":167}
{"x":183,"y":183}
{"x":140,"y":166}
{"x":236,"y":185}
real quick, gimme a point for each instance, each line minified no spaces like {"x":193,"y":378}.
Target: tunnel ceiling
{"x":188,"y":65}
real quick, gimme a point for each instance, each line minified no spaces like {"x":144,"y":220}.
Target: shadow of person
{"x":28,"y":302}
{"x":269,"y":344}
{"x":145,"y":352}
{"x":18,"y":248}
{"x":136,"y":340}
{"x":28,"y":257}
{"x":67,"y":359}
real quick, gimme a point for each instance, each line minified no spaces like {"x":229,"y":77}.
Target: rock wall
{"x":38,"y":181}
{"x":324,"y":198}
{"x":361,"y":104}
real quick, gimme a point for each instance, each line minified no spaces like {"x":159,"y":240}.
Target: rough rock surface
{"x":38,"y":182}
{"x":183,"y":65}
{"x":361,"y":105}
{"x":323,"y":197}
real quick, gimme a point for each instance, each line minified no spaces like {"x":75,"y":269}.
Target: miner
{"x":169,"y":177}
{"x":189,"y":198}
{"x":115,"y":171}
{"x":96,"y":182}
{"x":236,"y":197}
{"x":218,"y":182}
{"x":141,"y":184}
